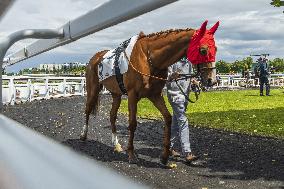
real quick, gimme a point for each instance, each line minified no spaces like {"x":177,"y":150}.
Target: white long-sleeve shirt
{"x":173,"y":91}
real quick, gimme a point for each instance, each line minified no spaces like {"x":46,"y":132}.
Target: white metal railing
{"x":30,"y":160}
{"x":239,"y":82}
{"x":24,"y":88}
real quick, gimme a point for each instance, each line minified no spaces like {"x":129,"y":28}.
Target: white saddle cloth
{"x":106,"y":66}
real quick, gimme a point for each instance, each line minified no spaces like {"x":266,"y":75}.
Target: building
{"x":51,"y":67}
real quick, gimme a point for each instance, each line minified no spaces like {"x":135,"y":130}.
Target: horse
{"x":147,"y":74}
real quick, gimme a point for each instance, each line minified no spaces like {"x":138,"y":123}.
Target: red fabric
{"x":200,"y":38}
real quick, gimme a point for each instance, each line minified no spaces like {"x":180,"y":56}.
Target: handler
{"x":180,"y":126}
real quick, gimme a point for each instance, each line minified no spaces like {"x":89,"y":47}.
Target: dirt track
{"x":228,"y":160}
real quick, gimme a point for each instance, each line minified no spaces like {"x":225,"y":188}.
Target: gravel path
{"x":228,"y":160}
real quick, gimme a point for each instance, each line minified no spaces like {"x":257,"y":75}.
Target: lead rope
{"x":159,"y":78}
{"x":196,"y":92}
{"x":185,"y":76}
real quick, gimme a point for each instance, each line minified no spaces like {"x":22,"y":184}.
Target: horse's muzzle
{"x":211,"y":82}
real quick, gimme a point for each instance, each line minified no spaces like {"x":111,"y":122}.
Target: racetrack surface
{"x":227,"y":160}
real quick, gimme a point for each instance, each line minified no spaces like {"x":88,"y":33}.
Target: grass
{"x":238,"y":111}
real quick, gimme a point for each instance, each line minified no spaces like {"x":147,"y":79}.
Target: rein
{"x":195,"y":87}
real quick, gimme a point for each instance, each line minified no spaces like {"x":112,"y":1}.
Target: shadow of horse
{"x":104,"y":153}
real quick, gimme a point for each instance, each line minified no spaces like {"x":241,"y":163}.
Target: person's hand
{"x":174,"y":76}
{"x":194,"y":81}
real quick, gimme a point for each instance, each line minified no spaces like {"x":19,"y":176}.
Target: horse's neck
{"x":165,"y":51}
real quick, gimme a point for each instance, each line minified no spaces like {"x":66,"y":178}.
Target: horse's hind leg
{"x":159,"y":103}
{"x":88,"y":111}
{"x":132,"y":108}
{"x":113,"y":115}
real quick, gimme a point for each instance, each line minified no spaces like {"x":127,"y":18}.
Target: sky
{"x":246,"y":27}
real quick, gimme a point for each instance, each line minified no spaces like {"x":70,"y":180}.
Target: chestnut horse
{"x":146,"y":77}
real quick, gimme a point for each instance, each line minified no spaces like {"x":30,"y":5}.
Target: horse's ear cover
{"x":214,"y":28}
{"x":199,"y":38}
{"x":201,"y":31}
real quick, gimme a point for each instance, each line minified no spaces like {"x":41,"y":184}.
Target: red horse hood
{"x":202,"y":37}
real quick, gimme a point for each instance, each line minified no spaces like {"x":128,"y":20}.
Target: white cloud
{"x":246,"y":26}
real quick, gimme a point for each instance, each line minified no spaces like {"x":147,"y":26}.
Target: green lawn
{"x":239,"y":111}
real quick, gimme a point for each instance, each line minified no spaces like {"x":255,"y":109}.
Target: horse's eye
{"x":203,"y":51}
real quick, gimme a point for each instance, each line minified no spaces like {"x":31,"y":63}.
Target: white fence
{"x":24,"y":88}
{"x":247,"y":83}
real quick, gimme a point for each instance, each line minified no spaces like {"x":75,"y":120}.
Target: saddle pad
{"x":106,"y":66}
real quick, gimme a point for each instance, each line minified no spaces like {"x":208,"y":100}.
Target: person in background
{"x":180,"y":125}
{"x":263,"y":70}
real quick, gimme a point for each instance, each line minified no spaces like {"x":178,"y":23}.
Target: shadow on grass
{"x":261,"y":122}
{"x":252,"y":95}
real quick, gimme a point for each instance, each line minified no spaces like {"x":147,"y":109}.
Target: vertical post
{"x":64,"y":87}
{"x":82,"y":87}
{"x":12,"y":91}
{"x":46,"y":89}
{"x":30,"y":88}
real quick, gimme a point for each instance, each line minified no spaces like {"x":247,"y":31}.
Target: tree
{"x":237,"y":66}
{"x":277,"y":64}
{"x":223,"y":67}
{"x":277,"y":3}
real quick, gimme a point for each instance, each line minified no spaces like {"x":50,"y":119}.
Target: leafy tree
{"x":223,"y":67}
{"x":277,"y":65}
{"x":277,"y":3}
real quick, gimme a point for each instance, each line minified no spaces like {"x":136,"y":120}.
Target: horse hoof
{"x":118,"y":148}
{"x":133,"y":161}
{"x":171,"y":165}
{"x":83,"y":137}
{"x":164,"y":161}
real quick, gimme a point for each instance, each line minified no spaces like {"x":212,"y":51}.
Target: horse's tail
{"x":93,"y":86}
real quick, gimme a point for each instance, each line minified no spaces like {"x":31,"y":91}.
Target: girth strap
{"x":118,"y":75}
{"x":119,"y":78}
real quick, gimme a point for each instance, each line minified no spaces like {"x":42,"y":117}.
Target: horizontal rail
{"x":106,"y":15}
{"x":30,"y":160}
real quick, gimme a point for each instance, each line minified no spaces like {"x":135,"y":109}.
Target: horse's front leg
{"x":160,"y":104}
{"x":113,"y":115}
{"x":132,"y":108}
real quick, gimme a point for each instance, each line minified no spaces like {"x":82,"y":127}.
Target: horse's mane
{"x":162,"y":33}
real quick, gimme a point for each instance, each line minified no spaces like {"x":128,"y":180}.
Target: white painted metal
{"x":106,"y":15}
{"x":22,"y":89}
{"x":30,"y":160}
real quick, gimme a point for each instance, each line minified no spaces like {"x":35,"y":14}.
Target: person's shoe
{"x":268,"y":95}
{"x":174,"y":153}
{"x":190,"y":158}
{"x":261,"y":95}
